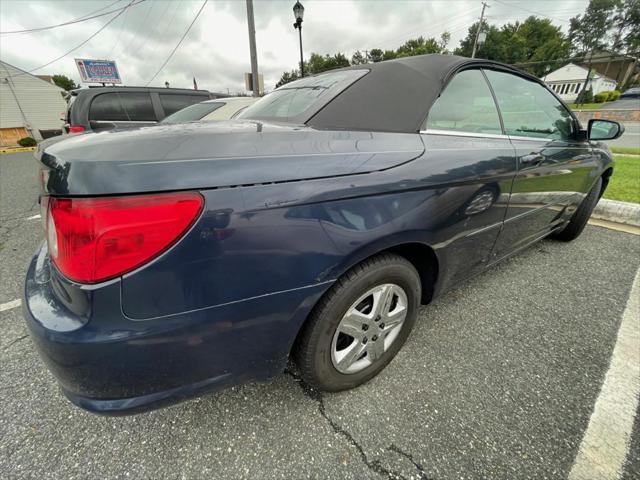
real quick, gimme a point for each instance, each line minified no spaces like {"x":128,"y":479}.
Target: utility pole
{"x":475,"y":41}
{"x":252,"y":48}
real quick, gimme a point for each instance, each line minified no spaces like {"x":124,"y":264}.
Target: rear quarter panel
{"x":264,"y":239}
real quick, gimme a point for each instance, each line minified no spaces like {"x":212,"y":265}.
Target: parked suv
{"x":105,"y":108}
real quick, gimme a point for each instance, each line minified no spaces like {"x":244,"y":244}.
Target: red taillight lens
{"x":76,"y":129}
{"x":94,"y":239}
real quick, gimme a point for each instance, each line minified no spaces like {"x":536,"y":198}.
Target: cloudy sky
{"x":216,"y":50}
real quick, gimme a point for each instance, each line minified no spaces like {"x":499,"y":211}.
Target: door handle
{"x":532,"y":159}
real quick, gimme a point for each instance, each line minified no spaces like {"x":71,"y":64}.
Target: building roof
{"x":46,"y":78}
{"x":583,"y":74}
{"x":5,"y":72}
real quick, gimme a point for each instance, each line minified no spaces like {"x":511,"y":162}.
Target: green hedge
{"x":27,"y":142}
{"x":601,"y":97}
{"x":606,"y":96}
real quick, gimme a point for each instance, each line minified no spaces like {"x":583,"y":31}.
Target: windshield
{"x":192,"y":112}
{"x":297,"y":101}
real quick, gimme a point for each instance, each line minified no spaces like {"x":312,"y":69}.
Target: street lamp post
{"x":298,"y":12}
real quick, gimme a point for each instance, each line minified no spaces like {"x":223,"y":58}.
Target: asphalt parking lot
{"x":498,"y":380}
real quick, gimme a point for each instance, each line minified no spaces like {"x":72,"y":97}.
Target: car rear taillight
{"x":76,"y":129}
{"x":95,"y":239}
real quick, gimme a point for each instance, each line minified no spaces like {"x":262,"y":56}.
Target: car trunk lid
{"x":205,"y":155}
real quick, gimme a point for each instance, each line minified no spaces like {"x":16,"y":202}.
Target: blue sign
{"x":98,"y":71}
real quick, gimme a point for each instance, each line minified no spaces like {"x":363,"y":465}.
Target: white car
{"x":218,"y":109}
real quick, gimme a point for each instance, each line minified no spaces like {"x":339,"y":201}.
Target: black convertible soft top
{"x":396,"y":95}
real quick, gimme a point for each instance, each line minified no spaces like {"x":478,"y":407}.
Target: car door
{"x":464,"y":140}
{"x":121,"y":110}
{"x":555,"y":166}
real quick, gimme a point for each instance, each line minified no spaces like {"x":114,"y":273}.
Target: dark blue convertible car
{"x":182,"y":259}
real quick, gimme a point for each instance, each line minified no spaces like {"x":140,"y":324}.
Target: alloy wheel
{"x":368,"y":328}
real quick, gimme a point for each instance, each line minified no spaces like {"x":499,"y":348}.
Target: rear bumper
{"x":110,"y":364}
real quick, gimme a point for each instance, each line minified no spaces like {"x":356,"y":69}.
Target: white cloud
{"x":216,"y":50}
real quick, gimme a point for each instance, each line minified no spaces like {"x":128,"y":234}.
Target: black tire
{"x":581,"y":216}
{"x":312,"y":352}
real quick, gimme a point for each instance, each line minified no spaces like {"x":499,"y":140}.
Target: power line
{"x":156,"y":24}
{"x":179,"y":43}
{"x":77,"y":20}
{"x":413,"y":31}
{"x":579,"y":57}
{"x":122,"y":27}
{"x":81,"y":44}
{"x":144,"y":22}
{"x":98,"y":10}
{"x":530,"y":11}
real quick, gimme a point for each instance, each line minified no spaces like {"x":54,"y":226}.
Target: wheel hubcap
{"x":369,"y":328}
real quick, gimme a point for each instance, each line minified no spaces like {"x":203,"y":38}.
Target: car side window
{"x":107,"y":106}
{"x":138,"y":106}
{"x":528,"y":109}
{"x":466,"y":105}
{"x":172,"y":102}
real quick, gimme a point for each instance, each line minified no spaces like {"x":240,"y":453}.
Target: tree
{"x":529,"y":42}
{"x":534,"y":40}
{"x":590,"y":31}
{"x":376,"y":55}
{"x":389,"y":55}
{"x":65,"y":82}
{"x":288,"y":77}
{"x":318,"y":63}
{"x":490,"y":49}
{"x":418,"y":46}
{"x":445,"y":38}
{"x":627,"y":26}
{"x":359,"y":59}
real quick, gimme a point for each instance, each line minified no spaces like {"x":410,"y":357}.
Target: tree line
{"x":535,"y":45}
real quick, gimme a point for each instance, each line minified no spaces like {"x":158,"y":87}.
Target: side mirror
{"x":604,"y":129}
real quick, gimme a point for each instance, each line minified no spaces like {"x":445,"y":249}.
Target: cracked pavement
{"x":498,"y":380}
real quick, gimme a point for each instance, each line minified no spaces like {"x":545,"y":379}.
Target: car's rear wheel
{"x":581,"y":216}
{"x":360,"y":324}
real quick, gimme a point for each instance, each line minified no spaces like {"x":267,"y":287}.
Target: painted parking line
{"x":10,"y":305}
{"x":606,"y":442}
{"x":34,"y":217}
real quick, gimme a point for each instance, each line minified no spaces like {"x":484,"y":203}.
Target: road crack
{"x":313,"y":394}
{"x":419,"y":467}
{"x":13,"y":342}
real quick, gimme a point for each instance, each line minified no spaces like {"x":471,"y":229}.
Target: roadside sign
{"x":98,"y":71}
{"x":248,"y":82}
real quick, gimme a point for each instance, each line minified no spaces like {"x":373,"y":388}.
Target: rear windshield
{"x":193,"y":112}
{"x":122,"y":107}
{"x":172,"y":102}
{"x":298,"y":101}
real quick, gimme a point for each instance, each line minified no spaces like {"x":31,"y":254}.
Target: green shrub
{"x":613,"y":95}
{"x":27,"y":142}
{"x":601,"y":97}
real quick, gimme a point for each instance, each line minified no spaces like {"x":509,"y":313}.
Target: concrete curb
{"x":16,"y":150}
{"x":618,"y":212}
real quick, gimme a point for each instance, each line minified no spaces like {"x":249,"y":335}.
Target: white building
{"x":29,"y":106}
{"x":567,"y":81}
